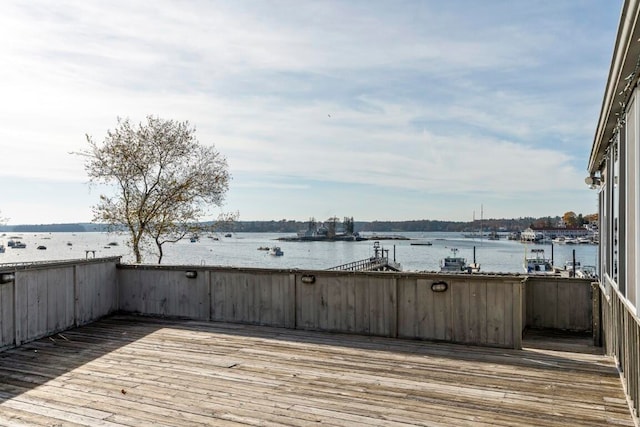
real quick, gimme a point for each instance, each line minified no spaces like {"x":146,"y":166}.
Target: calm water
{"x":241,"y":250}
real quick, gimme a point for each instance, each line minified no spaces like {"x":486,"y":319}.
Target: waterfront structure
{"x":536,"y":234}
{"x":531,"y":235}
{"x":614,"y":170}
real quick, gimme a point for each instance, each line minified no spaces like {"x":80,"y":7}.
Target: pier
{"x":378,"y":262}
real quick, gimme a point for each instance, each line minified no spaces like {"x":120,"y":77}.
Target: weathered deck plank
{"x":127,"y":370}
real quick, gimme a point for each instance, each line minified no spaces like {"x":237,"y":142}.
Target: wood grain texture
{"x":128,"y":370}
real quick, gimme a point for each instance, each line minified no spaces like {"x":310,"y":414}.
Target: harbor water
{"x":242,"y":250}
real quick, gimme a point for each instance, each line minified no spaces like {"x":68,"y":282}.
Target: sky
{"x":379,"y":110}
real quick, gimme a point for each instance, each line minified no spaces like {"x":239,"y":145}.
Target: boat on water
{"x":587,"y":272}
{"x":560,"y":240}
{"x":536,"y":263}
{"x":276,"y":251}
{"x":16,"y":244}
{"x":453,"y":263}
{"x":570,"y":265}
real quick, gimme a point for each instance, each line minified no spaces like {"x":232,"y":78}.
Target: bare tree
{"x":164,"y":180}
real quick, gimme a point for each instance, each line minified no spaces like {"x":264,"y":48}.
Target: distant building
{"x":536,"y":234}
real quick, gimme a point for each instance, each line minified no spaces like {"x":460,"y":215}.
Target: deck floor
{"x":134,"y":371}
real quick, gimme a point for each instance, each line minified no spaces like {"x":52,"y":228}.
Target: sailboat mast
{"x":481,"y":217}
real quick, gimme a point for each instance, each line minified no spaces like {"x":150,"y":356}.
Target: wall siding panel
{"x":7,"y":326}
{"x":558,"y":303}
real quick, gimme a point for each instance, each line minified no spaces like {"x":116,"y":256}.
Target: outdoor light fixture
{"x":440,"y":286}
{"x":308,"y":279}
{"x":593,"y":181}
{"x":191,"y":274}
{"x":7,"y":278}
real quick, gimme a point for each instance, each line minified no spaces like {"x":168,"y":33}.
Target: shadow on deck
{"x":128,"y":370}
{"x":557,"y":340}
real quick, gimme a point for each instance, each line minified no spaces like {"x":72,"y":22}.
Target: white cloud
{"x":414,"y":96}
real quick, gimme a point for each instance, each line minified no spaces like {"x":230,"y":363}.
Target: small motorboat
{"x":453,"y":263}
{"x":276,"y":251}
{"x":537,"y":263}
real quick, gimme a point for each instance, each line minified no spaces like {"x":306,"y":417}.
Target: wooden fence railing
{"x":621,"y":339}
{"x":490,"y":310}
{"x":38,"y":300}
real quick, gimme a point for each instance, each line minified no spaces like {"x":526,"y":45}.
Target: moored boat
{"x":587,"y":272}
{"x":276,"y":251}
{"x":453,"y":263}
{"x":536,"y":263}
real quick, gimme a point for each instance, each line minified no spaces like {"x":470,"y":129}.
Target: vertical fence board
{"x":496,"y":316}
{"x":409,"y":309}
{"x":460,"y":299}
{"x":477,"y":311}
{"x":426,"y":310}
{"x":7,"y":325}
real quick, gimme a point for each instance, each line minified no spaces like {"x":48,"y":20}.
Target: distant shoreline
{"x":293,"y":226}
{"x":341,"y":238}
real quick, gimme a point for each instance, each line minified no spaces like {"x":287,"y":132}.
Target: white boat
{"x":569,"y":265}
{"x":276,"y":251}
{"x":536,"y":263}
{"x":454,"y":263}
{"x":559,"y":240}
{"x":587,"y":272}
{"x":17,"y":244}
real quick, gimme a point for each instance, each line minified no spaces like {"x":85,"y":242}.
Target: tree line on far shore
{"x":293,"y":226}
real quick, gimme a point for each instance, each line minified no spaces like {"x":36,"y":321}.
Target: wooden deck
{"x":135,"y":371}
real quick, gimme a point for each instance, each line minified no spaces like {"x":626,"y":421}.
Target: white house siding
{"x":615,"y":165}
{"x":631,"y":196}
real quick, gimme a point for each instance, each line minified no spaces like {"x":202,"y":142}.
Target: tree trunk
{"x":160,"y":253}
